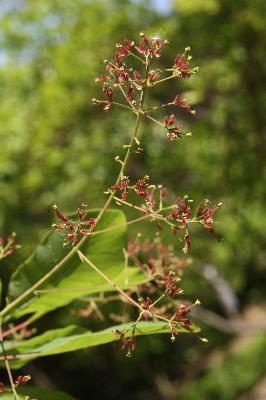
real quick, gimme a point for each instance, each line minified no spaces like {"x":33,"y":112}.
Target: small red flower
{"x":171,"y":288}
{"x":181,"y":103}
{"x":151,"y":46}
{"x":173,"y":129}
{"x":102,"y":78}
{"x":129,"y":344}
{"x":22,"y":379}
{"x":182,"y":311}
{"x":147,"y":303}
{"x":108,"y":92}
{"x":9,"y":246}
{"x":73,"y":227}
{"x":181,"y":62}
{"x":81,"y":213}
{"x":174,"y":333}
{"x":92,"y":222}
{"x":123,"y":187}
{"x":129,"y":93}
{"x":137,"y":76}
{"x":123,"y":51}
{"x":187,"y":243}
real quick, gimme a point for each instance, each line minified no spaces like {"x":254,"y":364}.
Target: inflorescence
{"x":129,"y":74}
{"x":123,"y":81}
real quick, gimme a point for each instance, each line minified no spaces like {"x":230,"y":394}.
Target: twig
{"x":105,"y":277}
{"x":8,"y":369}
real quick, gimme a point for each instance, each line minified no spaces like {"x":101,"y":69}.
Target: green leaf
{"x":60,"y":341}
{"x":75,"y":279}
{"x":37,"y":393}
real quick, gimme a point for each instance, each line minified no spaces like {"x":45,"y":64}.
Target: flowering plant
{"x":86,"y":257}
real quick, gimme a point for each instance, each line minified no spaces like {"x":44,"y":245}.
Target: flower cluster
{"x":172,"y":128}
{"x":178,"y":216}
{"x":21,"y":380}
{"x":164,"y":270}
{"x":160,"y":264}
{"x":145,"y":191}
{"x":122,"y":81}
{"x":206,"y":216}
{"x":123,"y":186}
{"x":181,"y":65}
{"x":141,"y":188}
{"x":127,"y":343}
{"x":151,"y":46}
{"x":9,"y":246}
{"x":79,"y":227}
{"x":131,"y":71}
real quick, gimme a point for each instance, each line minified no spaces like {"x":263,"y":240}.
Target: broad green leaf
{"x":59,"y":341}
{"x":37,"y":393}
{"x":75,"y":278}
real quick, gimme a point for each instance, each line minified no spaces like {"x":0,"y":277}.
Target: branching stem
{"x":10,"y":307}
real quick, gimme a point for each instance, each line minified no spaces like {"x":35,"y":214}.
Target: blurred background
{"x":56,"y":147}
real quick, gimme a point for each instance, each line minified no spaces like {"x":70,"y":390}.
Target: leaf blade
{"x":40,"y":346}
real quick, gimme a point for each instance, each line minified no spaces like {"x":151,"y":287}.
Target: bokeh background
{"x":56,"y":147}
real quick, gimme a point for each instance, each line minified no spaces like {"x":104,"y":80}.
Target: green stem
{"x":123,"y":105}
{"x":163,"y":80}
{"x":157,"y":300}
{"x":107,"y":279}
{"x":138,"y":58}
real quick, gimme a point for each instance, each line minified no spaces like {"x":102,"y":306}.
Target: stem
{"x":123,"y":105}
{"x":157,"y":107}
{"x":7,"y":365}
{"x":151,"y":213}
{"x":22,"y":325}
{"x":126,"y":203}
{"x":164,"y":79}
{"x":138,"y":58}
{"x":105,"y":277}
{"x":126,"y":266}
{"x":133,"y":221}
{"x":157,"y":300}
{"x":154,"y":120}
{"x":121,"y":88}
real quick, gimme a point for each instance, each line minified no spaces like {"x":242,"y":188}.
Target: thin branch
{"x":126,"y":265}
{"x":158,"y":107}
{"x":107,"y":279}
{"x":22,"y":325}
{"x":150,"y":212}
{"x":133,"y":221}
{"x":137,"y":57}
{"x":8,"y":369}
{"x":154,"y":120}
{"x":123,"y":105}
{"x":163,"y":80}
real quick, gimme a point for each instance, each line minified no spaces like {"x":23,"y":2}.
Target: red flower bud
{"x":22,"y":379}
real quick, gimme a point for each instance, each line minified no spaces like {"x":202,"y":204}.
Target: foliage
{"x":228,"y":381}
